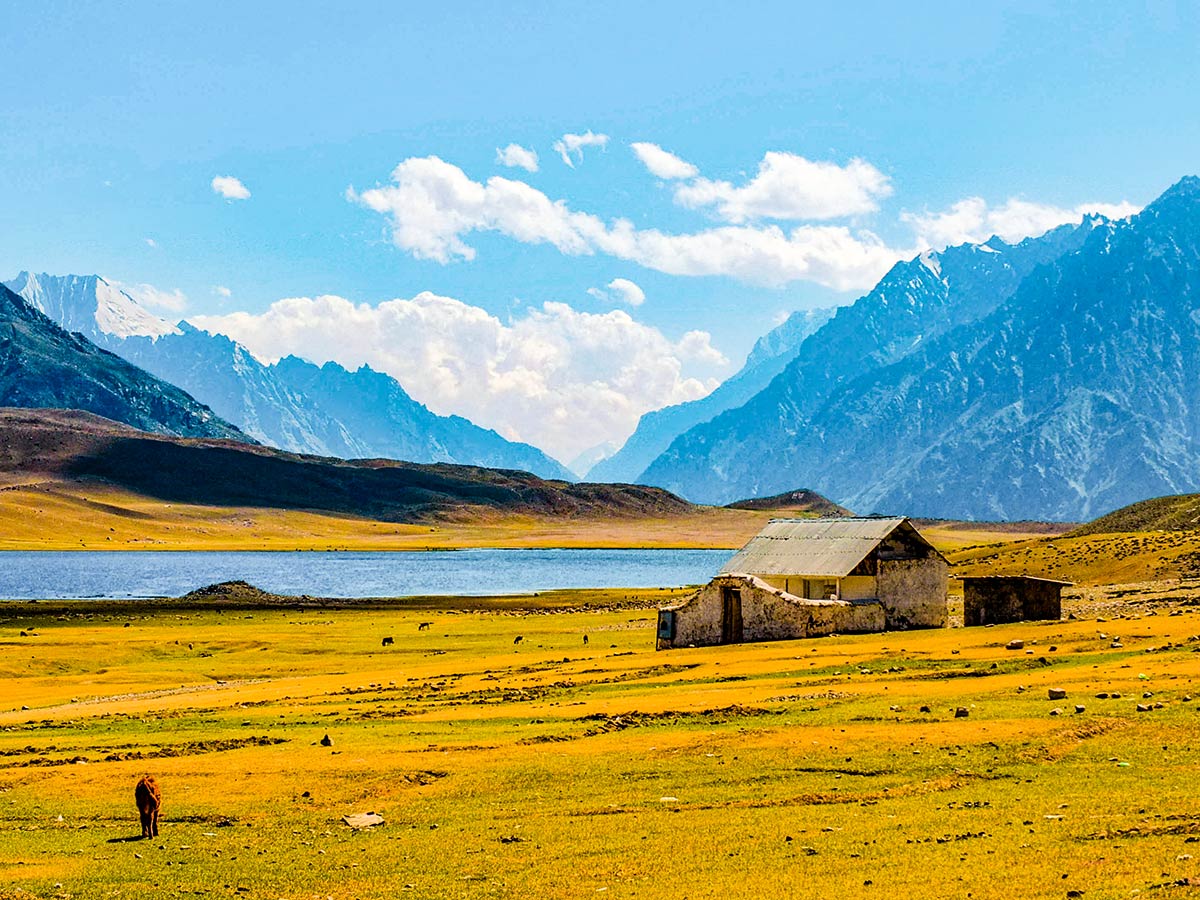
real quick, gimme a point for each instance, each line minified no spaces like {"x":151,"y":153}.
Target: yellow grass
{"x":548,"y":768}
{"x":64,"y":515}
{"x":96,"y":516}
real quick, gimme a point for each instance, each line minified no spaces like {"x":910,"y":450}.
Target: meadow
{"x":547,"y":767}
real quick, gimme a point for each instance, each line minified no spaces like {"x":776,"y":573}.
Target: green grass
{"x":553,"y":769}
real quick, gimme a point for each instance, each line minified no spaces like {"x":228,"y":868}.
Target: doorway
{"x":731,"y":615}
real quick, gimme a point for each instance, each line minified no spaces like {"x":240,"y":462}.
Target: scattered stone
{"x":1057,"y":693}
{"x":1142,"y":707}
{"x":961,"y":713}
{"x":363,"y":820}
{"x":1103,"y":695}
{"x":1080,"y":708}
{"x":327,"y":741}
{"x":1057,"y":711}
{"x":1146,"y":695}
{"x":926,"y":709}
{"x":1015,"y":644}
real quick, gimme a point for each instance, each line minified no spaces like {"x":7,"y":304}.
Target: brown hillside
{"x":1174,"y":513}
{"x":64,"y":444}
{"x":801,"y":502}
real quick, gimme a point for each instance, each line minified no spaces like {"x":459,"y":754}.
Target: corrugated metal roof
{"x":829,"y":547}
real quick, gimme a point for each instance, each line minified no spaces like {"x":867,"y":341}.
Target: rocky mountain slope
{"x":293,"y":404}
{"x":41,"y":365}
{"x":1075,"y":395}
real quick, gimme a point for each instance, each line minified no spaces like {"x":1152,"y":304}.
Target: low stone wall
{"x":768,"y":614}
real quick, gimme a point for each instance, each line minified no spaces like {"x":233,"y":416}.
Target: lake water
{"x":27,"y":575}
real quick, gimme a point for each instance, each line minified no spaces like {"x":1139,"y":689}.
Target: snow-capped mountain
{"x":43,"y":365}
{"x":90,"y":305}
{"x":293,"y":405}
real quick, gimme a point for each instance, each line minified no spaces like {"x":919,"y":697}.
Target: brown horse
{"x":149,"y":799}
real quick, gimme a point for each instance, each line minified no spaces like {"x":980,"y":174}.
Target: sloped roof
{"x":828,"y":547}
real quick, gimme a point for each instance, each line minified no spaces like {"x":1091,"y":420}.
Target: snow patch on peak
{"x":119,"y":314}
{"x":930,"y":260}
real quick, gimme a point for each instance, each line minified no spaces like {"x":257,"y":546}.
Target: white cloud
{"x":558,"y":378}
{"x":620,"y":290}
{"x":221,"y":291}
{"x":663,"y":163}
{"x":516,"y":156}
{"x":972,"y":221}
{"x":433,"y":205}
{"x":230,"y":188}
{"x":150,"y":242}
{"x":788,"y":186}
{"x":570,"y":146}
{"x":149,"y":295}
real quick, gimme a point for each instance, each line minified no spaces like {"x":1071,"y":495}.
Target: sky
{"x":553,"y":217}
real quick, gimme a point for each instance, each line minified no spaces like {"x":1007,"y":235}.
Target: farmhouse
{"x":807,"y":577}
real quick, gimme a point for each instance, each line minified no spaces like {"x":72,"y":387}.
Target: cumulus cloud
{"x":662,"y":163}
{"x":788,"y":186}
{"x":516,"y":156}
{"x":973,"y":220}
{"x":230,"y":188}
{"x":221,"y":291}
{"x":150,"y":242}
{"x":558,"y":378}
{"x":620,"y":290}
{"x":433,"y":205}
{"x":149,"y":295}
{"x":570,"y":146}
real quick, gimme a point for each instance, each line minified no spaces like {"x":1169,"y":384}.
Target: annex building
{"x":808,"y":577}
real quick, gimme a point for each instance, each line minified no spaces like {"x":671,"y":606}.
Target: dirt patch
{"x":194,"y":748}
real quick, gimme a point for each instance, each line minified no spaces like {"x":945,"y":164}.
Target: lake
{"x":28,"y":575}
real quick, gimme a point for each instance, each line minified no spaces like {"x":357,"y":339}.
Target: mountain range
{"x":43,"y":365}
{"x":1055,"y":378}
{"x":657,"y":429}
{"x":292,"y":404}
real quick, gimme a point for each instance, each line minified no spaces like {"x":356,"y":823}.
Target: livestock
{"x":149,"y":800}
{"x":585,"y":640}
{"x":424,"y":626}
{"x":518,"y":639}
{"x":388,"y":641}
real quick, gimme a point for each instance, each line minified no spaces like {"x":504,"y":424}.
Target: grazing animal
{"x":424,"y":626}
{"x":518,"y":639}
{"x":585,"y":640}
{"x":387,"y":642}
{"x":149,"y":800}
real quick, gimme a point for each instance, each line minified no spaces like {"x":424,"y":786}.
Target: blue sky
{"x":962,"y":121}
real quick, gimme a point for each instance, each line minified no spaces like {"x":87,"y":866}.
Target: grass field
{"x":72,"y":515}
{"x":547,"y":768}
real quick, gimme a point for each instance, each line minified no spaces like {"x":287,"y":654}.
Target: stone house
{"x":807,"y":577}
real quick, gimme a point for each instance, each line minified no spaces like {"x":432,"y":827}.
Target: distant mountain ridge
{"x":1078,"y":391}
{"x":294,"y":405}
{"x":657,"y":429}
{"x":42,"y":365}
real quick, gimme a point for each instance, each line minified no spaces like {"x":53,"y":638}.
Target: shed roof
{"x":829,"y":547}
{"x":1014,"y":578}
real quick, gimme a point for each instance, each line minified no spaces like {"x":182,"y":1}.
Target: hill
{"x":800,"y":502}
{"x":41,"y":443}
{"x":42,"y":365}
{"x":1174,"y":513}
